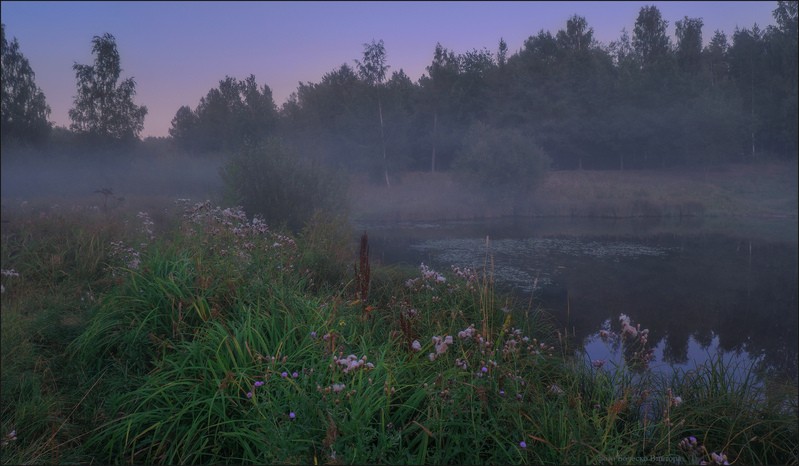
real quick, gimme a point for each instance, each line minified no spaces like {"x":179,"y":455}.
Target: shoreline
{"x":757,"y":191}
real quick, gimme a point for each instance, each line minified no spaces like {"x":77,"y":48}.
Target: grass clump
{"x":222,"y":340}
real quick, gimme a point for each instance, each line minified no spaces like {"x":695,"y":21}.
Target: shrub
{"x":505,"y":162}
{"x":271,"y":181}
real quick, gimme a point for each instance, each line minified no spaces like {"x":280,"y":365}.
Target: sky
{"x":178,"y":51}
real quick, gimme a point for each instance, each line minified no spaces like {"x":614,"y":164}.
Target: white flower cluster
{"x":467,"y":274}
{"x":7,"y":273}
{"x":627,"y":329}
{"x":467,"y":333}
{"x":129,"y":256}
{"x":9,"y":437}
{"x":222,"y":223}
{"x":430,"y":274}
{"x":147,"y":226}
{"x":428,"y":279}
{"x":351,"y":363}
{"x":441,"y":345}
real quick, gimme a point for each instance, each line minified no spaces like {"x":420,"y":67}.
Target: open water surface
{"x":701,"y":287}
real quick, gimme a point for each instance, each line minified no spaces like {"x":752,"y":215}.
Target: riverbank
{"x":201,"y":335}
{"x":754,"y":190}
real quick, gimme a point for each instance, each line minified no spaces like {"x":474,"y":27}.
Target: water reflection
{"x":699,"y":289}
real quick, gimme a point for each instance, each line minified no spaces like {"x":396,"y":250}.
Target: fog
{"x":63,"y":179}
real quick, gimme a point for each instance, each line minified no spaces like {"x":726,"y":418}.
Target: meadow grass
{"x":767,"y":189}
{"x":209,"y":337}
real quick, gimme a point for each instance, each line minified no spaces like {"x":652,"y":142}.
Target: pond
{"x":701,"y":286}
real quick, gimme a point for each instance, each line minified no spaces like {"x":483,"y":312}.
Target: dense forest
{"x":642,"y":101}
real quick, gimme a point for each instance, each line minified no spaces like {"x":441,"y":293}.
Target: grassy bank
{"x":755,"y":190}
{"x":200,"y":336}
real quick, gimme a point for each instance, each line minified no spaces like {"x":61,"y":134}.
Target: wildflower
{"x":519,"y":396}
{"x":719,"y":458}
{"x":259,"y":383}
{"x":249,"y":394}
{"x":523,"y":444}
{"x":294,"y":375}
{"x":337,"y":387}
{"x":292,"y":415}
{"x":10,"y":437}
{"x":442,"y":344}
{"x":554,"y":388}
{"x":284,"y":374}
{"x":467,"y":333}
{"x":313,"y":334}
{"x":502,"y":393}
{"x":484,"y":369}
{"x":351,"y":363}
{"x":416,"y":346}
{"x":676,"y":401}
{"x":598,"y":363}
{"x":689,"y":444}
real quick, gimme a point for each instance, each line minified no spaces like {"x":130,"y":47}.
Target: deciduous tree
{"x":24,"y":109}
{"x":373,"y":71}
{"x":689,"y":44}
{"x":649,"y":36}
{"x":103,"y":108}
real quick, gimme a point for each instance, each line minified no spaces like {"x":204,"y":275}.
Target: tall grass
{"x":219,"y":341}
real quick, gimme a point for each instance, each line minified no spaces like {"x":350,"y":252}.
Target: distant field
{"x":758,"y":190}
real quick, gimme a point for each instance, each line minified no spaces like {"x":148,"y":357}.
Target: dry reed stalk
{"x":363,"y":273}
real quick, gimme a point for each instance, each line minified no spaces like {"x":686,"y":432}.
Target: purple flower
{"x":502,"y":393}
{"x":295,"y":374}
{"x":313,"y":334}
{"x":249,"y":394}
{"x":484,"y":369}
{"x":284,"y":374}
{"x":519,"y":396}
{"x":523,"y":444}
{"x":259,"y":383}
{"x":292,"y":415}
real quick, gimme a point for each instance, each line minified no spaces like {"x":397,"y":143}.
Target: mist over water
{"x":701,"y":285}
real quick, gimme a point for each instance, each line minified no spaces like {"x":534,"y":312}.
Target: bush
{"x":505,"y":162}
{"x":271,"y":181}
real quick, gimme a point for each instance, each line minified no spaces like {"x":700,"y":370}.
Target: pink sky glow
{"x":178,"y":51}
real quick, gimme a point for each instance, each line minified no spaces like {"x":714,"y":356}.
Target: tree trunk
{"x":383,"y":141}
{"x":435,"y":141}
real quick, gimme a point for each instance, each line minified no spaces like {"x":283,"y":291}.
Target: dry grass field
{"x":756,"y":190}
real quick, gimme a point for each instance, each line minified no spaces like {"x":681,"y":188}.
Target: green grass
{"x":220,"y":340}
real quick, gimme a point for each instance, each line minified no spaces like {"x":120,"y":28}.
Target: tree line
{"x":639,"y":102}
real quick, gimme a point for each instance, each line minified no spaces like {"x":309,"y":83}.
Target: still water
{"x":702,"y":286}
